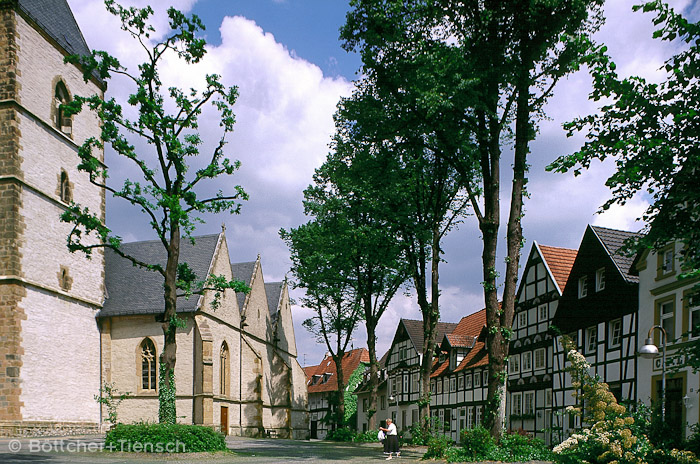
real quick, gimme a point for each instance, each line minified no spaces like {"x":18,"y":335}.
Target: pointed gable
{"x":599,"y":251}
{"x":559,"y":261}
{"x":243,"y":272}
{"x":134,"y":290}
{"x":614,"y":240}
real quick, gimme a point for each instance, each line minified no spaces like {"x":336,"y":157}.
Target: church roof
{"x":134,"y":290}
{"x":56,"y":19}
{"x":244,"y":272}
{"x":273,"y":290}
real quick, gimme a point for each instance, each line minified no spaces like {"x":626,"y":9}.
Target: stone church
{"x":69,"y":324}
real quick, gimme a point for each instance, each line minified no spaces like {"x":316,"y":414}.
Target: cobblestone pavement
{"x":245,"y":451}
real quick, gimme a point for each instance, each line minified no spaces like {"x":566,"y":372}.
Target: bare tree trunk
{"x":167,"y":393}
{"x":373,"y":372}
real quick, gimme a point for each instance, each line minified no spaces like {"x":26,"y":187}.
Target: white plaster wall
{"x":61,"y":361}
{"x":36,"y":56}
{"x":44,"y":251}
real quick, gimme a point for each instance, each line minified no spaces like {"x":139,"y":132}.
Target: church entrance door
{"x":224,"y":420}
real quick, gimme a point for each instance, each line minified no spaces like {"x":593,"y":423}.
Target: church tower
{"x":49,"y":341}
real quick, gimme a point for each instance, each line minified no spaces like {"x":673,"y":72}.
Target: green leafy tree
{"x":319,"y":267}
{"x":374,"y":267}
{"x":167,"y":191}
{"x":474,"y":77}
{"x":416,"y":195}
{"x":651,"y":131}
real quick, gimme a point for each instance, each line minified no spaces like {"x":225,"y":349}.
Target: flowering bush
{"x":613,"y":436}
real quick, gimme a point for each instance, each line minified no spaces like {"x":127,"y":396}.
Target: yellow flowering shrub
{"x":610,"y":437}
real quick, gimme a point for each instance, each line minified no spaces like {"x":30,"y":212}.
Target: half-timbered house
{"x":403,"y":370}
{"x":530,"y":360}
{"x":598,"y":310}
{"x":459,"y":381}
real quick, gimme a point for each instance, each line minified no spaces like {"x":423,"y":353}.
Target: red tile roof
{"x":559,"y":261}
{"x":351,"y":361}
{"x":468,"y":327}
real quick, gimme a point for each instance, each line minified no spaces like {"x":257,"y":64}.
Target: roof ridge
{"x":160,"y":241}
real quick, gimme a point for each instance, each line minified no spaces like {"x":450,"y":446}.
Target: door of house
{"x":224,"y":420}
{"x":314,"y":429}
{"x":674,"y":403}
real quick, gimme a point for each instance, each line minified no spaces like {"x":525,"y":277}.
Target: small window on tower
{"x":65,"y":281}
{"x":63,"y":122}
{"x":64,"y":188}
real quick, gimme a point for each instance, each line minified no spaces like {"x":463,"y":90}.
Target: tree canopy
{"x":652,"y":131}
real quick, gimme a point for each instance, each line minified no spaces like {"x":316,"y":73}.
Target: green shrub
{"x":477,"y":443}
{"x":341,"y":434}
{"x":369,"y":436}
{"x":164,"y":438}
{"x":516,"y":447}
{"x":437,"y":446}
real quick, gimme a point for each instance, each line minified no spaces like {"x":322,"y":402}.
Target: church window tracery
{"x":148,"y":365}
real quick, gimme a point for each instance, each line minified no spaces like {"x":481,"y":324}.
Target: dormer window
{"x":61,"y":97}
{"x":583,"y":287}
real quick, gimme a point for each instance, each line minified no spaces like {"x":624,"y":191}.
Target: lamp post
{"x":650,"y":351}
{"x":393,"y":398}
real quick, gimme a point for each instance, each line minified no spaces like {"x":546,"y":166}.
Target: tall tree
{"x":416,"y":196}
{"x":652,"y":131}
{"x":166,"y":192}
{"x":480,"y":71}
{"x":375,"y":269}
{"x":320,"y":267}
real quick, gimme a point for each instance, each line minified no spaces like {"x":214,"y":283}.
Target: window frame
{"x":544,"y":359}
{"x":600,"y":279}
{"x":591,"y":335}
{"x":526,"y":366}
{"x":612,"y":343}
{"x":528,"y":403}
{"x":477,"y":379}
{"x":514,"y":363}
{"x":541,"y":307}
{"x":516,"y":399}
{"x":152,"y":388}
{"x":582,"y":287}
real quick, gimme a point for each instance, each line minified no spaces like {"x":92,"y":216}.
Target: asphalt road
{"x":243,"y":451}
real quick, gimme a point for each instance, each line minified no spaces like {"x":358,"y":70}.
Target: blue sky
{"x":308,"y":28}
{"x":291,"y":71}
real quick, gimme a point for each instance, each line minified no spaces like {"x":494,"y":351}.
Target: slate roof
{"x":56,"y":19}
{"x":273,"y":290}
{"x":351,"y":361}
{"x":244,"y":272}
{"x":134,"y":290}
{"x":559,"y":261}
{"x":415,"y":331}
{"x":613,"y":240}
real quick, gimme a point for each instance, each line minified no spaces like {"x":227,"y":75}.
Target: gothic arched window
{"x":148,"y":365}
{"x":62,"y":122}
{"x":224,"y":370}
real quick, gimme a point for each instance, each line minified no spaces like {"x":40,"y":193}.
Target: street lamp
{"x":650,"y":351}
{"x":391,"y":399}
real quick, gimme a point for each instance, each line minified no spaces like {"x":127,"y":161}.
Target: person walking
{"x":391,"y":443}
